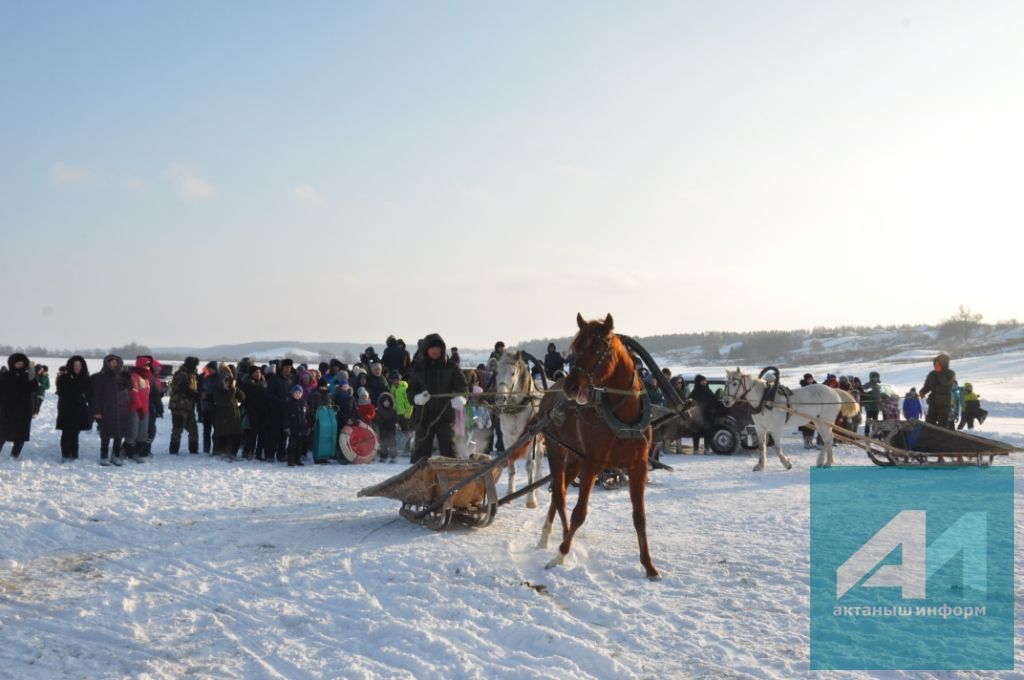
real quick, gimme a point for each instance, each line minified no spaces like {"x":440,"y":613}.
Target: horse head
{"x":737,"y":384}
{"x":593,"y":357}
{"x":508,"y":377}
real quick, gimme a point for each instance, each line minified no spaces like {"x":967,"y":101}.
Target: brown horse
{"x":599,"y":422}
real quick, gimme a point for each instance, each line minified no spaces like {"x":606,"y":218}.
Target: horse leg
{"x":579,"y":515}
{"x":777,"y":435}
{"x":558,"y":482}
{"x":827,"y":452}
{"x":637,"y":485}
{"x":533,"y":465}
{"x":762,"y":439}
{"x":512,"y":477}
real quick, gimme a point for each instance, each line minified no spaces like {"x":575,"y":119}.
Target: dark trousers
{"x":296,"y":448}
{"x":69,"y":444}
{"x":869,"y":415}
{"x":227,"y":444}
{"x":499,"y":441}
{"x":207,"y":430}
{"x":105,"y":447}
{"x":184,"y":420}
{"x":425,"y":441}
{"x":257,"y":439}
{"x":16,"y":450}
{"x":939,"y":416}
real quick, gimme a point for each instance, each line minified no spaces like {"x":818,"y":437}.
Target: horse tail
{"x":849,"y":407}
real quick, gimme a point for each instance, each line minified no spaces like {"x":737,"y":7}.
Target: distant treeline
{"x":960,"y":331}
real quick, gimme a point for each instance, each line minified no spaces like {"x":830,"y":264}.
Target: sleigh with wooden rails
{"x":908,"y":443}
{"x":419,"y":487}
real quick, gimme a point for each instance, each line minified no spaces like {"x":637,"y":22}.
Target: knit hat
{"x":296,"y":388}
{"x":362,"y":396}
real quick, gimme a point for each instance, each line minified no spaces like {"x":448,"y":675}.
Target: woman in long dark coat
{"x":111,"y":405}
{"x":74,"y":408}
{"x":17,"y":386}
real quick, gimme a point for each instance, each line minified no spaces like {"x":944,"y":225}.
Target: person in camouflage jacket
{"x":183,"y":401}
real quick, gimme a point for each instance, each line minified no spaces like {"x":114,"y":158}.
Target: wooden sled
{"x":917,"y":443}
{"x":420,"y":484}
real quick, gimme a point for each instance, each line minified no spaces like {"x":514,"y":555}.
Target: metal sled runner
{"x":917,"y":443}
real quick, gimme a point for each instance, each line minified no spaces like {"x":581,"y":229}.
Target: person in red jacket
{"x":137,"y":429}
{"x":364,"y":407}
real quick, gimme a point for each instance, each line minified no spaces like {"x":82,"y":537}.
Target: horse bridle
{"x":593,"y":369}
{"x":507,"y":407}
{"x":742,"y":381}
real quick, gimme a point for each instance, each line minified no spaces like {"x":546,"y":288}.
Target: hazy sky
{"x":194,"y":173}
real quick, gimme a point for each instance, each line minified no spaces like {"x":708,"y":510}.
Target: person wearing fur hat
{"x":279,"y":386}
{"x":938,"y":388}
{"x":387,"y":426}
{"x":257,"y":408}
{"x":183,"y":402}
{"x":74,"y":412}
{"x":17,"y":387}
{"x":432,"y":373}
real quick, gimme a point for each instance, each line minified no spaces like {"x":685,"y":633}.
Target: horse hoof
{"x":758,"y":468}
{"x":532,"y":504}
{"x":555,"y":561}
{"x":789,"y":466}
{"x":654,"y":577}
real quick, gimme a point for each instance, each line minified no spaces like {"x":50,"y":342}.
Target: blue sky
{"x":198,"y":173}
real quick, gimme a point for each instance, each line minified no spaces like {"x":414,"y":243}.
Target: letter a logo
{"x":906,"y":530}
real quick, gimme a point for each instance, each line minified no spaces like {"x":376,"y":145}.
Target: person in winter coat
{"x":391,"y":358}
{"x":74,"y":411}
{"x":111,"y":406}
{"x":17,"y":387}
{"x":433,"y":374}
{"x":553,"y":362}
{"x":912,"y":409}
{"x":321,"y":396}
{"x":183,"y":403}
{"x":871,"y":399}
{"x":376,"y":383}
{"x":386,"y":422}
{"x":972,"y":408}
{"x":654,"y":392}
{"x":257,"y":406}
{"x":43,"y":382}
{"x":208,"y":382}
{"x":137,"y":427}
{"x":709,"y":408}
{"x":279,"y":387}
{"x":295,"y":426}
{"x":938,"y":388}
{"x":228,"y":430}
{"x":345,"y":400}
{"x":399,"y":389}
{"x":807,"y":430}
{"x":364,"y":407}
{"x":157,"y":387}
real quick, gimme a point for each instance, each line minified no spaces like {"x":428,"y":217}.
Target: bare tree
{"x":960,"y":326}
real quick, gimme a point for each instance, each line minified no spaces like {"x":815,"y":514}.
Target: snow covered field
{"x":188,"y":566}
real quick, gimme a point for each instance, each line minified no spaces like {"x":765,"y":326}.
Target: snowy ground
{"x":188,"y":566}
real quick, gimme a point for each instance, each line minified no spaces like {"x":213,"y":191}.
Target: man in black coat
{"x":553,"y":361}
{"x":279,"y":387}
{"x":257,"y":405}
{"x":17,"y":386}
{"x":433,"y":373}
{"x":710,"y":408}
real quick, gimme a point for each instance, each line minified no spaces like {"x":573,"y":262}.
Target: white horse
{"x":517,"y":399}
{"x":819,"y":404}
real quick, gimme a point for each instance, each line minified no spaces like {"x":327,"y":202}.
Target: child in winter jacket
{"x":972,"y":408}
{"x":366,"y":410}
{"x":912,"y":409}
{"x":346,"y":403}
{"x":387,"y":427}
{"x":295,"y":426}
